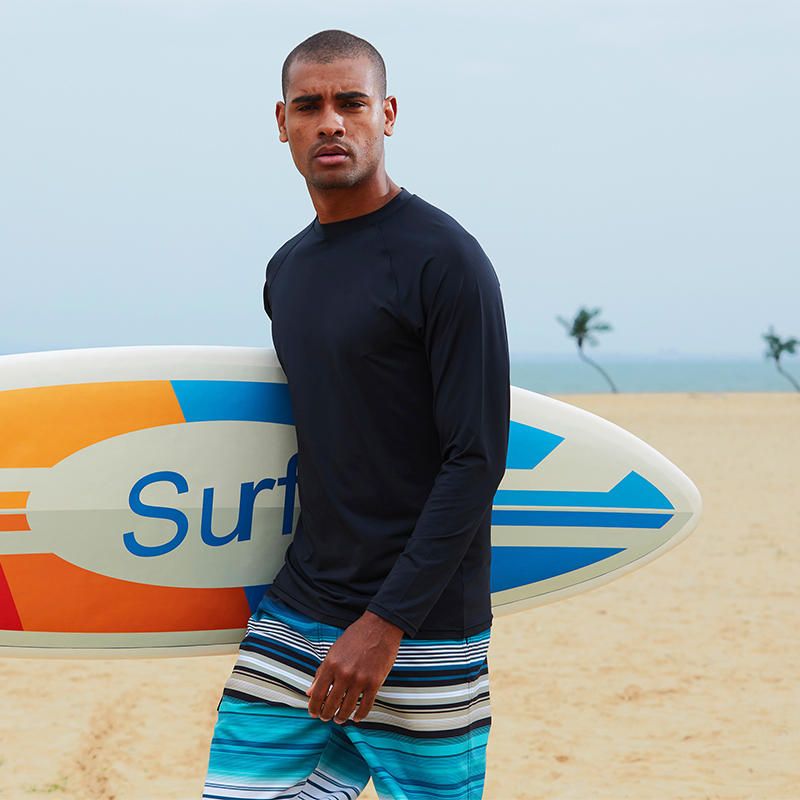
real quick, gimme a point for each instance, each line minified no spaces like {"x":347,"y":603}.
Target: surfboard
{"x":148,"y":495}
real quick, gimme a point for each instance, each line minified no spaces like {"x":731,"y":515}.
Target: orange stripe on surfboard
{"x":14,"y":522}
{"x":50,"y":594}
{"x":41,"y":425}
{"x":14,"y":499}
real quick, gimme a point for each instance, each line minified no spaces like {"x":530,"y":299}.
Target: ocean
{"x":558,"y":375}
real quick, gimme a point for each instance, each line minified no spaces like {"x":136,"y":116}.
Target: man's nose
{"x":330,"y":123}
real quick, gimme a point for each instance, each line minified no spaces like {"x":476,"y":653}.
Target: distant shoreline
{"x":644,"y":375}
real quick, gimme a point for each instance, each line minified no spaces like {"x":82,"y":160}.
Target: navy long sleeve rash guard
{"x":391,"y":331}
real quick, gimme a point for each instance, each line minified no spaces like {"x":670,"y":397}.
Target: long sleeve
{"x":466,"y":344}
{"x":267,"y":305}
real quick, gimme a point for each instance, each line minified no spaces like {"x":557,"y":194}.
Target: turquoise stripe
{"x":519,"y":566}
{"x":398,"y":745}
{"x":249,"y":401}
{"x":582,"y":519}
{"x":633,"y":491}
{"x":529,"y":446}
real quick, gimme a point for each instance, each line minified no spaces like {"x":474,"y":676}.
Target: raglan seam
{"x":280,"y":263}
{"x":398,"y":309}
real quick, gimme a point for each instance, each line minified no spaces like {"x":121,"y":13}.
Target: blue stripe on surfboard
{"x":250,"y":401}
{"x":254,"y":595}
{"x":527,"y":446}
{"x":519,"y":566}
{"x":633,"y":491}
{"x":512,"y":566}
{"x":578,"y":519}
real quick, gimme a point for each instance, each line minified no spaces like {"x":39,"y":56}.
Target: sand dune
{"x":677,"y":681}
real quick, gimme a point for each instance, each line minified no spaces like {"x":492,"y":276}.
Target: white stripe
{"x":456,"y":655}
{"x":263,"y":792}
{"x":266,"y":692}
{"x":415,"y":722}
{"x":275,"y":669}
{"x":286,"y":635}
{"x":329,"y":789}
{"x":474,"y":687}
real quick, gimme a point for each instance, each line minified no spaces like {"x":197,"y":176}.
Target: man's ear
{"x":280,"y":116}
{"x":389,"y":114}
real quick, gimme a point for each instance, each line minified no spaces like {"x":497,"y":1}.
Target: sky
{"x":637,"y":156}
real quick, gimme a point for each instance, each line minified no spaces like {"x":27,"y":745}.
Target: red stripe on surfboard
{"x":9,"y":618}
{"x":53,"y":595}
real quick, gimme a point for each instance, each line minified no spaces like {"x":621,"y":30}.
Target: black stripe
{"x":425,"y":708}
{"x":440,"y":734}
{"x":265,"y":679}
{"x":417,"y":684}
{"x":444,"y":671}
{"x":260,"y":645}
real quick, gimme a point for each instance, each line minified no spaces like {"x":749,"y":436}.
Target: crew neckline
{"x":328,"y":229}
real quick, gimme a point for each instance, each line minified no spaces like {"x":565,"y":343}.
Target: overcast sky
{"x":640,"y":156}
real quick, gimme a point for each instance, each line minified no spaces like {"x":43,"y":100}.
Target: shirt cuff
{"x":390,"y":616}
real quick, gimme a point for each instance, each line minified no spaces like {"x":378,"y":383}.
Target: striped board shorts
{"x":424,"y":738}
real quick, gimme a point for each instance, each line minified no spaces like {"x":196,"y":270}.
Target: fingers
{"x":365,"y":706}
{"x":338,"y":699}
{"x":335,"y":693}
{"x":347,"y":706}
{"x":326,"y":694}
{"x":318,"y":691}
{"x":332,"y":702}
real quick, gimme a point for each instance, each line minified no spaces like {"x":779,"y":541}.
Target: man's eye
{"x":311,"y":105}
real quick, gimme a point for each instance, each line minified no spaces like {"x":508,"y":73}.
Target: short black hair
{"x":330,"y":45}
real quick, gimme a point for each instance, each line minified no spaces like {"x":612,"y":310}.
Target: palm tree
{"x":774,"y":349}
{"x":581,"y":330}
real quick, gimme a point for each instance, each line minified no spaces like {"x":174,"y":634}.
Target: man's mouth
{"x":331,"y":153}
{"x":332,"y":158}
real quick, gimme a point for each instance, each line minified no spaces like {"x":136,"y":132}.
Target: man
{"x":367,"y":656}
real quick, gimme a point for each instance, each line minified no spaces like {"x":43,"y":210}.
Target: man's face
{"x":335,"y":105}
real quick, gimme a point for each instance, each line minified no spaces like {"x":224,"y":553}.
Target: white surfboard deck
{"x":147,"y":497}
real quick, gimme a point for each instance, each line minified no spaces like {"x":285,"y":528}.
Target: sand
{"x":679,"y":680}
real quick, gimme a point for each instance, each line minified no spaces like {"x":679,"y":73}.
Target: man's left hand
{"x":358,"y":661}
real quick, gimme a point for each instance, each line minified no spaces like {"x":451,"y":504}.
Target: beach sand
{"x":679,"y":680}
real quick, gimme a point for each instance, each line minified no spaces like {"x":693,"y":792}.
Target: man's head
{"x":334,"y":97}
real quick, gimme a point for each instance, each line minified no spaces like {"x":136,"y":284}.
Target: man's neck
{"x":335,"y":205}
